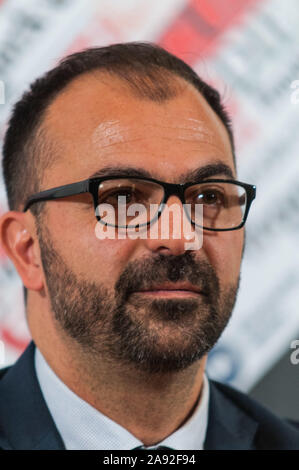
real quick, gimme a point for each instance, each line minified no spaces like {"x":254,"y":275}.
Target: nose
{"x":172,"y":232}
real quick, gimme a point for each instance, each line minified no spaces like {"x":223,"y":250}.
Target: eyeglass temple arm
{"x":57,"y":193}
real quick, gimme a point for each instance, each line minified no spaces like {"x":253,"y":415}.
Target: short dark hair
{"x":149,"y":71}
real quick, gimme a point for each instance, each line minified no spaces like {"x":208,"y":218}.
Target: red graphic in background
{"x":11,"y":340}
{"x":199,"y":26}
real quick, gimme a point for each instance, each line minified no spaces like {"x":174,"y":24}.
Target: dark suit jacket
{"x":235,"y":420}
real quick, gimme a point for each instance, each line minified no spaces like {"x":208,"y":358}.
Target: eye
{"x":112,"y":196}
{"x":211,"y":197}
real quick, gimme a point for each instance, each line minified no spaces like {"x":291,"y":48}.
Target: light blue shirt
{"x":82,"y":427}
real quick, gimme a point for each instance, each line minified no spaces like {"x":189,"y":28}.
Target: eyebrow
{"x":206,"y":171}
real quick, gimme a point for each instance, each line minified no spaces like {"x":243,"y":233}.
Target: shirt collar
{"x":82,"y":427}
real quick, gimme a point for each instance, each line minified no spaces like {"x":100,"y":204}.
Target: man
{"x":121,"y":326}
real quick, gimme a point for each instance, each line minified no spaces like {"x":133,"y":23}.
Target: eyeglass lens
{"x":223,"y":204}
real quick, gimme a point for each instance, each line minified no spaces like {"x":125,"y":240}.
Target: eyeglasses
{"x":225,"y":203}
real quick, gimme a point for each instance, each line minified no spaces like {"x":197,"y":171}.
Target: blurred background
{"x":248,"y":49}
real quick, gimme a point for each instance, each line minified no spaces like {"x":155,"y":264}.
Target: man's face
{"x":95,"y":286}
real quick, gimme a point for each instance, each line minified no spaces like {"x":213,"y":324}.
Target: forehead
{"x":96,"y":121}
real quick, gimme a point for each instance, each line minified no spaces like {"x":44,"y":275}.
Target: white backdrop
{"x":249,"y":50}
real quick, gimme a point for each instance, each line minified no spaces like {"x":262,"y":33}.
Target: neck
{"x":150,"y":406}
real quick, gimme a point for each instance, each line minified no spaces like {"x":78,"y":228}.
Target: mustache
{"x":141,"y":274}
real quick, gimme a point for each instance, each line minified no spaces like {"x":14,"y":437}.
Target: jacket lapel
{"x":26,"y":421}
{"x":228,"y":426}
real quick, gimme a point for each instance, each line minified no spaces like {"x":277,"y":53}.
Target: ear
{"x":19,"y":241}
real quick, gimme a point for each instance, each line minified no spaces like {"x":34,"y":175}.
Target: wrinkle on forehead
{"x":113,"y":131}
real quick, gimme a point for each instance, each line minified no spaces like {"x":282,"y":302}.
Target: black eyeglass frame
{"x":91,"y":186}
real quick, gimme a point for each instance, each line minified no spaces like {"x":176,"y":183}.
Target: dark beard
{"x":157,"y":335}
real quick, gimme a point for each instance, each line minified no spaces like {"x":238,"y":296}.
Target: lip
{"x":179,"y":288}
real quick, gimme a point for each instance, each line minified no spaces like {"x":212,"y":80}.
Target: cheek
{"x":108,"y":259}
{"x":94,"y":259}
{"x":224,"y":252}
